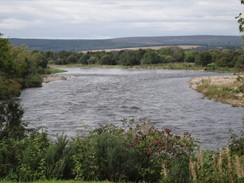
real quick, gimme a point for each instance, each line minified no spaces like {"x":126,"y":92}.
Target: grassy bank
{"x":225,"y":89}
{"x":169,"y":66}
{"x":54,"y":70}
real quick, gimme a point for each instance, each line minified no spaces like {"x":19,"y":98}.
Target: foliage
{"x":9,"y":88}
{"x":32,"y":80}
{"x":19,"y":68}
{"x":11,"y":125}
{"x":7,"y":66}
{"x":31,"y":157}
{"x":58,"y":158}
{"x":145,"y":148}
{"x":129,"y":58}
{"x":241,"y":19}
{"x":236,"y":143}
{"x":221,"y":60}
{"x":203,"y":58}
{"x":239,"y":64}
{"x":209,"y":166}
{"x":190,"y":56}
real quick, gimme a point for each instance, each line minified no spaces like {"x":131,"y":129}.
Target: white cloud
{"x":116,"y":18}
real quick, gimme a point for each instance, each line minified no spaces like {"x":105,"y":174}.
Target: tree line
{"x":213,"y":57}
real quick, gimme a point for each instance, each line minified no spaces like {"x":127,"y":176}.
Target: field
{"x":185,"y":47}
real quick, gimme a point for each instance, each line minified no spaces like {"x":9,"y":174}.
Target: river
{"x":93,"y":96}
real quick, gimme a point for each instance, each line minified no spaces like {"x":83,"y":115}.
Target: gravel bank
{"x":50,"y":78}
{"x":214,"y":80}
{"x":221,"y":81}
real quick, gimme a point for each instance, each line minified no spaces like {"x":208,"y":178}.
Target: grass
{"x":53,"y":70}
{"x":209,"y":166}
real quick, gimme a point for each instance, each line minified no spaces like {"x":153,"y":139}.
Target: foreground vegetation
{"x":61,"y":181}
{"x":131,"y":152}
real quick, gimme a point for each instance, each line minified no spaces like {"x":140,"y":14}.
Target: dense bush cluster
{"x":212,"y":58}
{"x":135,"y":151}
{"x":19,"y":68}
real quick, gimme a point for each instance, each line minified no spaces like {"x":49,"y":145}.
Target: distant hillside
{"x":130,"y":42}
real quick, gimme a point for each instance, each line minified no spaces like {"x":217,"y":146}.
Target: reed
{"x":224,"y":167}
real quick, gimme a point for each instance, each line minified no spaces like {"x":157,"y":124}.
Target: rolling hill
{"x":207,"y":41}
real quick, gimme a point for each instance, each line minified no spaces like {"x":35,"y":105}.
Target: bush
{"x":33,"y":80}
{"x":236,"y":143}
{"x":114,"y":160}
{"x":136,"y":152}
{"x":9,"y":88}
{"x":11,"y":124}
{"x":31,"y":158}
{"x":58,"y":159}
{"x":203,"y":58}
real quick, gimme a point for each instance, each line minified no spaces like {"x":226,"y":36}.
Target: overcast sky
{"x":93,"y":19}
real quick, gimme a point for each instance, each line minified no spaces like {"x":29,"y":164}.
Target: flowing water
{"x":93,"y":96}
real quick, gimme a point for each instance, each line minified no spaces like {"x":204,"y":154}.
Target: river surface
{"x":93,"y":96}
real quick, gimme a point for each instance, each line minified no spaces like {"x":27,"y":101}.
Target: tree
{"x":190,"y":56}
{"x":39,"y":59}
{"x":176,"y":53}
{"x":225,"y":58}
{"x":7,"y":66}
{"x":151,"y":57}
{"x":240,"y":63}
{"x":106,"y":60}
{"x":241,"y":19}
{"x":129,"y":58}
{"x":11,"y":124}
{"x":203,"y":58}
{"x":72,"y":58}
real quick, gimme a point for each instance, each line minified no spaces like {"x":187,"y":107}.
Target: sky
{"x":102,"y":19}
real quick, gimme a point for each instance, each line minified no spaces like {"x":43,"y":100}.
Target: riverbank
{"x":225,"y":89}
{"x":167,"y":66}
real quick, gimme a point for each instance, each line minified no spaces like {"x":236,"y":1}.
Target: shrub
{"x":58,"y":159}
{"x":11,"y":124}
{"x":144,"y":146}
{"x":9,"y":88}
{"x":236,"y":143}
{"x":31,"y":159}
{"x":115,"y":161}
{"x":157,"y":147}
{"x":33,"y":80}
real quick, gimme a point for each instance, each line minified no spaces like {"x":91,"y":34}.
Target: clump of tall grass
{"x":221,"y":166}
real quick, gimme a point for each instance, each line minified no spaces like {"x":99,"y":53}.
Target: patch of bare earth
{"x":50,"y":78}
{"x":221,"y":81}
